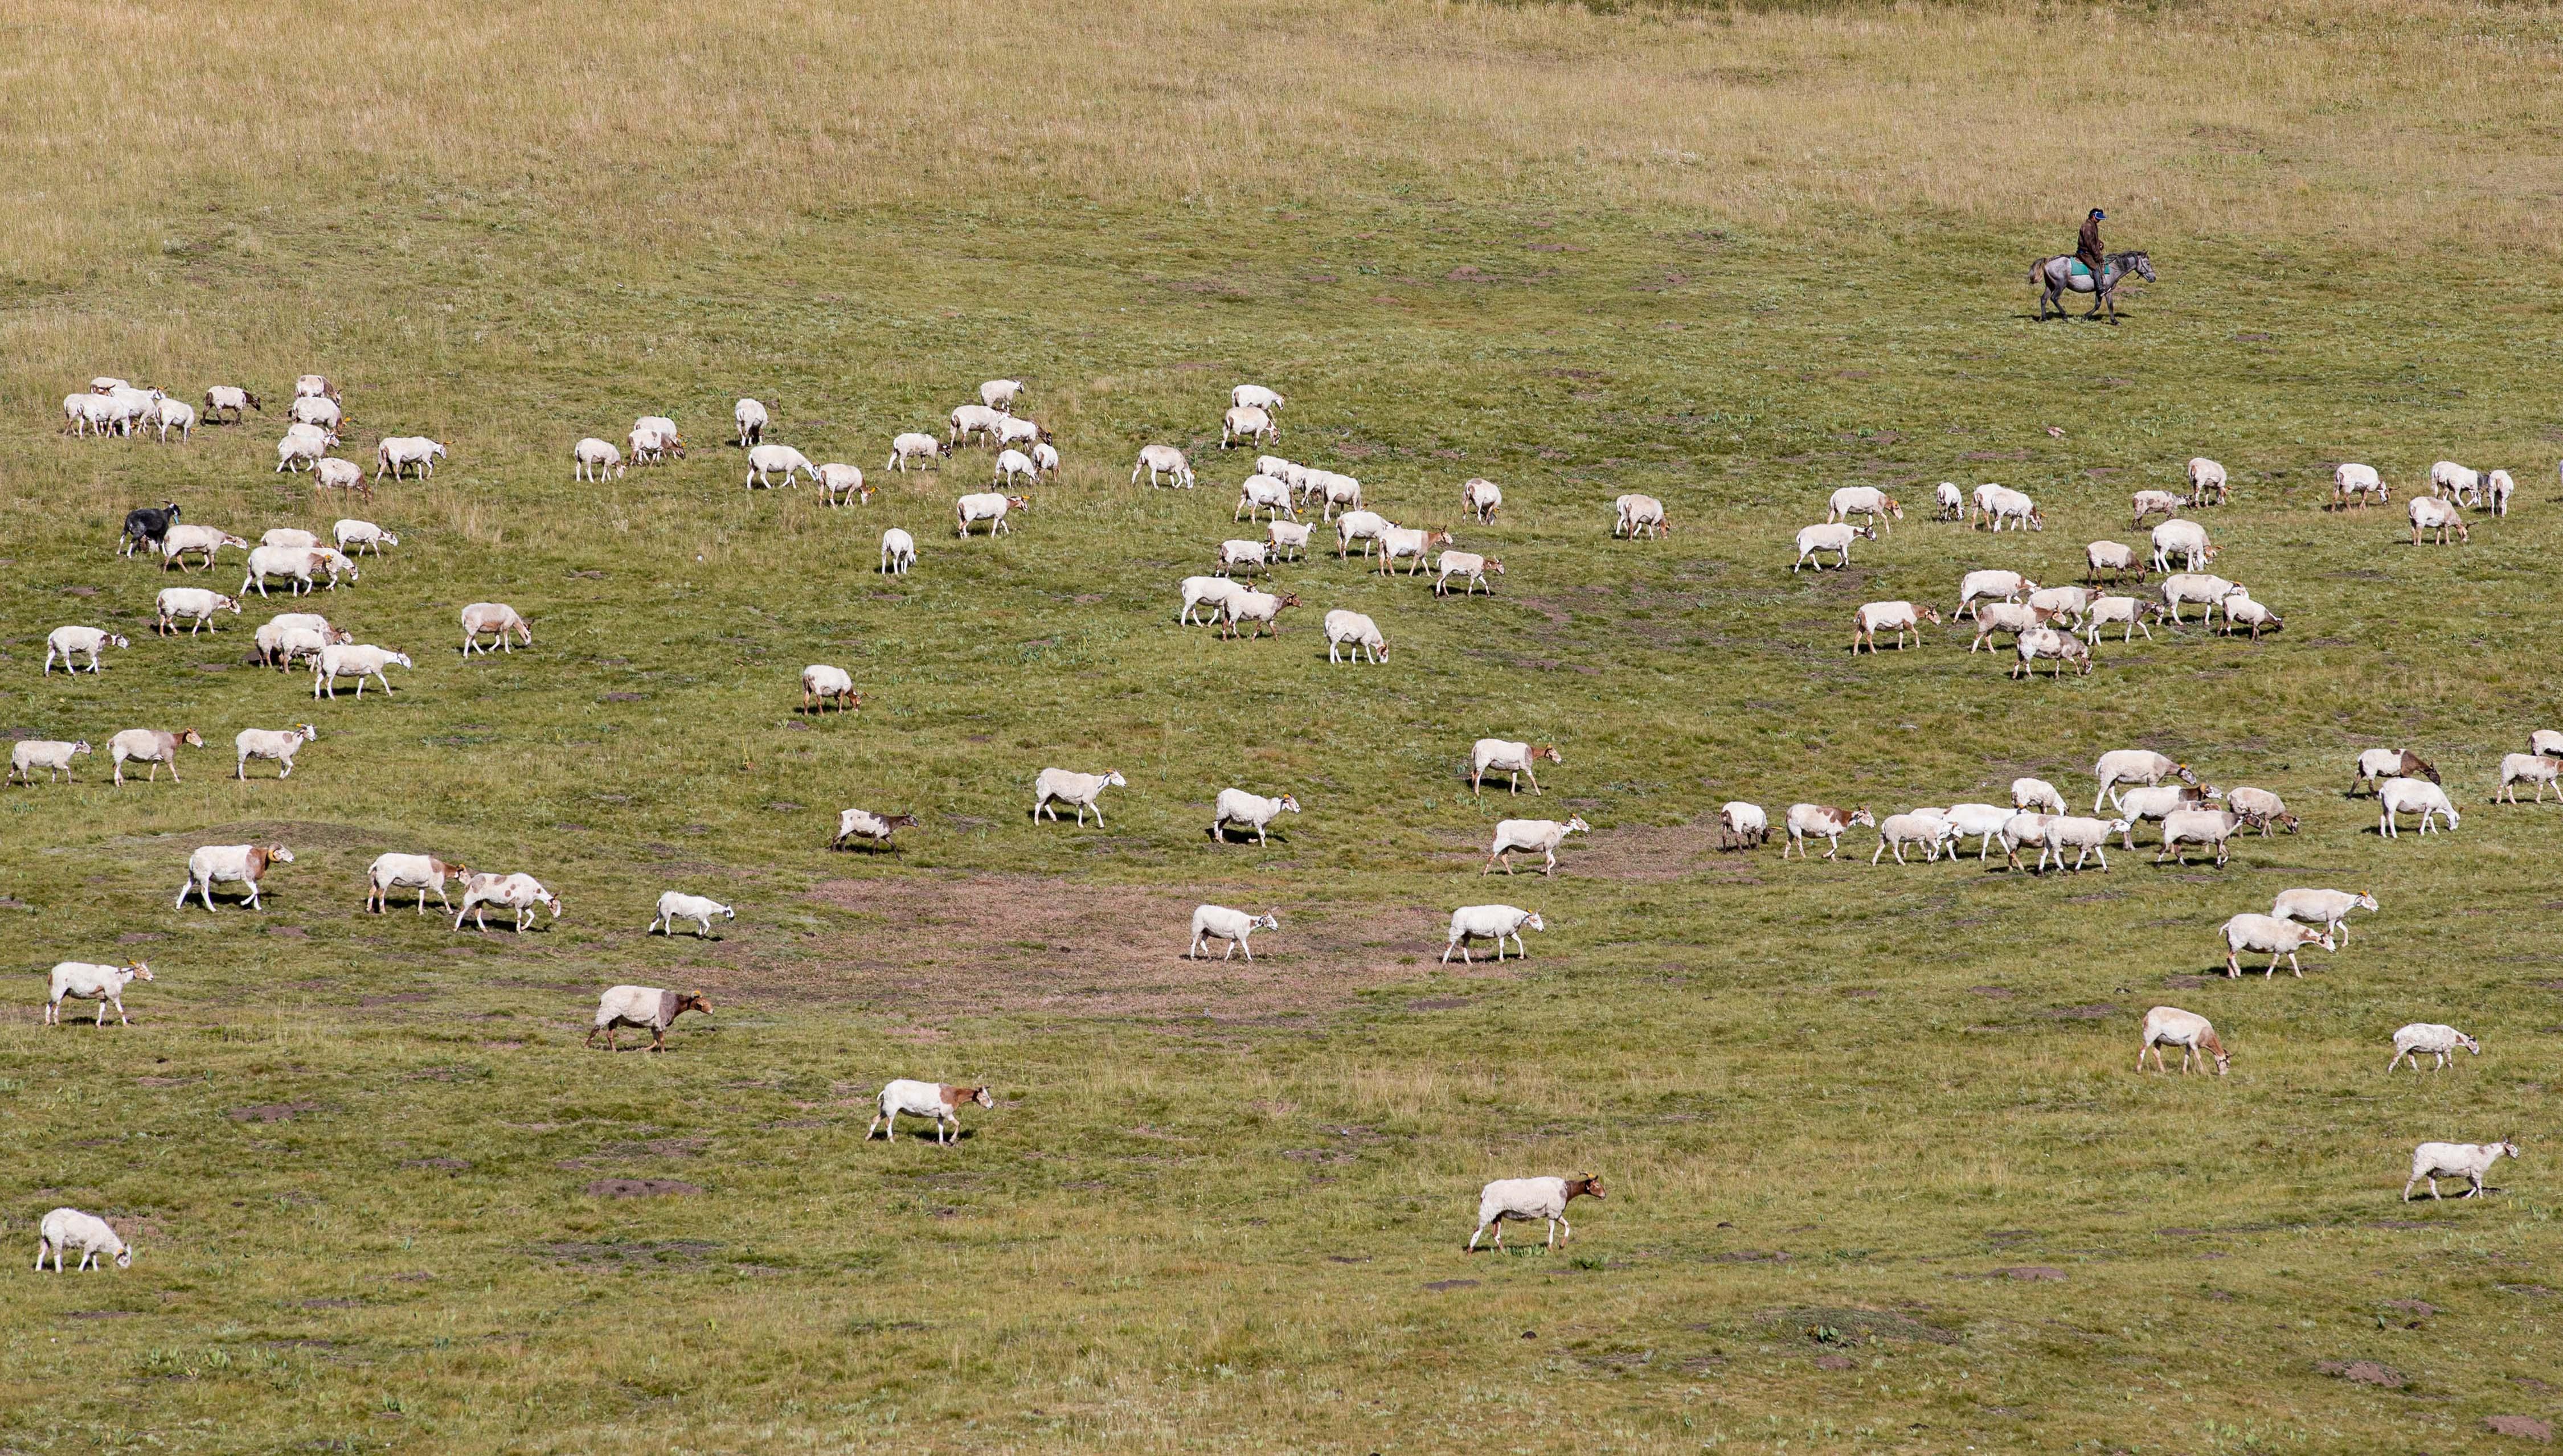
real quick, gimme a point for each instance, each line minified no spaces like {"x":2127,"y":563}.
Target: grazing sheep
{"x":317,"y":410}
{"x":1490,"y":922}
{"x":646,"y":1006}
{"x":288,"y":637}
{"x":519,"y":892}
{"x":897,"y":551}
{"x":2409,"y":796}
{"x":1899,"y":618}
{"x":1263,"y":493}
{"x":146,"y":526}
{"x":395,"y":456}
{"x":1805,"y":821}
{"x":1921,"y":827}
{"x":2206,"y":479}
{"x":1836,"y":538}
{"x":87,"y":1234}
{"x":2115,"y":557}
{"x":1000,"y":394}
{"x":2273,"y":936}
{"x":751,"y":418}
{"x":2026,"y":832}
{"x":1527,"y":1198}
{"x":1398,"y":543}
{"x":498,"y":620}
{"x":353,"y":536}
{"x":2186,"y":539}
{"x":2001,"y":616}
{"x":1467,"y":564}
{"x":1211,"y":592}
{"x":839,"y":483}
{"x":2432,"y":514}
{"x":2197,"y":826}
{"x":297,"y":565}
{"x":675,"y":905}
{"x":1237,"y":555}
{"x":2186,"y":587}
{"x":2528,"y":768}
{"x":1640,"y":515}
{"x":2498,"y":487}
{"x":1163,"y":459}
{"x":1255,"y":397}
{"x":1291,"y":537}
{"x":104,"y":985}
{"x":1053,"y":787}
{"x":1353,"y":630}
{"x":2001,"y":507}
{"x":650,"y":444}
{"x":2430,"y":1160}
{"x":229,"y":399}
{"x":420,"y":872}
{"x":927,"y":1100}
{"x":332,"y":474}
{"x":1006,"y":431}
{"x":913,"y":447}
{"x":289,"y":536}
{"x":150,"y":746}
{"x":2047,"y":642}
{"x":314,"y":385}
{"x":2155,"y":502}
{"x":1544,"y":836}
{"x":595,"y":459}
{"x":2451,"y":482}
{"x":1342,"y":492}
{"x":298,"y":452}
{"x":986,"y":506}
{"x":2241,"y":610}
{"x":1244,"y":421}
{"x":2260,"y":810}
{"x":1357,"y":525}
{"x":280,"y":744}
{"x":1515,"y":759}
{"x":1743,"y":826}
{"x":245,"y":864}
{"x":2124,"y":612}
{"x":1482,"y":498}
{"x":2441,"y":1041}
{"x":2160,"y":801}
{"x":2327,"y":908}
{"x":195,"y":604}
{"x":1262,"y":607}
{"x":1990,"y":586}
{"x":1949,"y":503}
{"x":2069,"y":602}
{"x":2352,"y":484}
{"x":1218,"y":923}
{"x":875,"y":828}
{"x":171,"y":415}
{"x":2188,"y":1030}
{"x":2037,"y":794}
{"x":1862,"y":500}
{"x":1254,"y":811}
{"x":1045,"y":458}
{"x":63,"y":641}
{"x":51,"y":755}
{"x":822,"y":685}
{"x":765,"y":460}
{"x":2137,"y":766}
{"x":2377,"y":763}
{"x":358,"y":661}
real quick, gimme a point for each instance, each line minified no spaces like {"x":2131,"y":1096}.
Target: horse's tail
{"x":2038,"y":273}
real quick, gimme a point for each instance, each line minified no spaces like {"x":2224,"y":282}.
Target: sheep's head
{"x":279,"y":854}
{"x":82,"y":747}
{"x":124,"y":1255}
{"x":1891,"y":508}
{"x":139,"y":970}
{"x":1861,"y":815}
{"x":693,"y":1000}
{"x":2365,"y":901}
{"x":1575,"y":825}
{"x":2509,"y":1145}
{"x":1549,"y":752}
{"x":1113,"y":779}
{"x":1290,"y":802}
{"x":1589,"y":1186}
{"x":554,"y":901}
{"x":1535,"y":923}
{"x":983,"y":1096}
{"x":190,"y":737}
{"x":2468,"y":1043}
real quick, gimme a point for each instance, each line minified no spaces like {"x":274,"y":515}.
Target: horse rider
{"x":2087,"y":249}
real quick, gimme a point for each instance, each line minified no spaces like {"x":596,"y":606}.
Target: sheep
{"x":822,"y":685}
{"x":2067,"y":601}
{"x":1863,"y":500}
{"x":1357,"y":631}
{"x":1244,"y":421}
{"x":2353,"y":484}
{"x":296,"y":453}
{"x":875,"y":828}
{"x":2531,"y":768}
{"x":172,"y":415}
{"x":839,"y":483}
{"x":2156,"y":802}
{"x":1990,"y":586}
{"x":999,"y":394}
{"x":332,"y":473}
{"x":653,"y":438}
{"x":2090,"y":837}
{"x":2273,"y":935}
{"x":1743,"y":826}
{"x":294,"y":564}
{"x":179,"y":542}
{"x":596,"y":459}
{"x":1836,"y":538}
{"x":314,"y":385}
{"x":1544,"y":836}
{"x":2138,"y":766}
{"x":519,"y":892}
{"x":150,"y":746}
{"x":897,"y":552}
{"x":2199,"y":586}
{"x":2432,"y":514}
{"x":1481,"y":498}
{"x":317,"y":410}
{"x":51,"y":755}
{"x":1255,"y":397}
{"x":913,"y":447}
{"x":675,"y":906}
{"x":1237,"y":555}
{"x":765,"y":460}
{"x":2115,"y":557}
{"x":290,"y":536}
{"x":928,"y":1100}
{"x":1470,"y":565}
{"x":245,"y":864}
{"x":195,"y":604}
{"x":2047,"y":642}
{"x":1527,"y":1198}
{"x":88,"y":414}
{"x":338,"y":660}
{"x":2207,"y":477}
{"x":146,"y":526}
{"x":1342,"y":492}
{"x":1265,"y":494}
{"x":1009,"y":431}
{"x":2000,"y":617}
{"x":498,"y":620}
{"x":1949,"y":503}
{"x":2451,"y":482}
{"x":1899,"y":616}
{"x":2024,"y":831}
{"x":1287,"y":536}
{"x":2440,"y":1040}
{"x":229,"y":399}
{"x":988,"y":506}
{"x":2186,"y":539}
{"x":2546,"y":741}
{"x":2124,"y":612}
{"x":396,"y":455}
{"x":1639,"y":514}
{"x":104,"y":985}
{"x":1211,"y":592}
{"x":90,"y":1235}
{"x":1515,"y":759}
{"x":966,"y":421}
{"x":1254,"y":811}
{"x":353,"y":535}
{"x":2184,"y":828}
{"x":2327,"y":908}
{"x":1398,"y":543}
{"x":1053,"y":787}
{"x":1012,"y":464}
{"x":1490,"y":922}
{"x":1218,"y":923}
{"x":751,"y":418}
{"x":2377,"y":764}
{"x":1982,"y":822}
{"x":2188,"y":1030}
{"x":280,"y":744}
{"x":2003,"y":506}
{"x":2498,"y":487}
{"x":1163,"y":459}
{"x":1820,"y":822}
{"x":1918,"y":828}
{"x":107,"y":384}
{"x":1357,"y":525}
{"x":2405,"y":796}
{"x":287,"y":636}
{"x":1045,"y":458}
{"x":420,"y":872}
{"x":2037,"y":794}
{"x":644,"y":1006}
{"x":1262,"y":607}
{"x":2430,"y":1160}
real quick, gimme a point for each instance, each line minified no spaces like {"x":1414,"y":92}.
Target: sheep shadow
{"x":958,"y":1138}
{"x":1231,"y":835}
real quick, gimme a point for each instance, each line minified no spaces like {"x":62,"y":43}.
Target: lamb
{"x":1255,"y":397}
{"x":1741,"y":825}
{"x":1218,"y":923}
{"x":2451,"y":482}
{"x":2189,"y":827}
{"x":1163,"y":459}
{"x":2441,"y":1041}
{"x":875,"y":828}
{"x":1515,"y":759}
{"x":280,"y":744}
{"x":750,"y":416}
{"x":297,"y":565}
{"x":765,"y":460}
{"x":1470,"y":565}
{"x":913,"y":447}
{"x":332,"y":473}
{"x":2353,"y":484}
{"x":2047,"y":642}
{"x":104,"y":985}
{"x":498,"y":619}
{"x":1254,"y":811}
{"x":171,"y":415}
{"x":897,"y":551}
{"x":1640,"y":514}
{"x":245,"y":864}
{"x":1211,"y":592}
{"x":314,"y":385}
{"x":2115,"y":557}
{"x":2137,"y":766}
{"x":2529,"y":768}
{"x":2207,"y":477}
{"x":2432,"y":514}
{"x":2186,"y":539}
{"x":999,"y":394}
{"x":596,"y":459}
{"x":1490,"y":922}
{"x":1836,"y":538}
{"x":1012,"y":464}
{"x":2038,"y":794}
{"x":2198,"y":586}
{"x":1080,"y":791}
{"x":2430,"y":1160}
{"x":87,"y":1233}
{"x":1244,"y":421}
{"x":1236,"y":556}
{"x":1264,"y":607}
{"x":1287,"y":536}
{"x":1398,"y":543}
{"x":51,"y":755}
{"x":1921,"y":827}
{"x":2406,"y":796}
{"x":1820,"y":822}
{"x":150,"y":746}
{"x":2011,"y":617}
{"x":1899,"y":618}
{"x":1265,"y":494}
{"x":986,"y":506}
{"x":395,"y":456}
{"x":1352,"y":629}
{"x":353,"y":535}
{"x":519,"y":892}
{"x":2327,"y":908}
{"x":1527,"y":1198}
{"x":822,"y":685}
{"x":2090,"y":837}
{"x":1862,"y":500}
{"x":146,"y":526}
{"x":2377,"y":763}
{"x":2498,"y":487}
{"x":1982,"y":822}
{"x":1990,"y":586}
{"x":180,"y":542}
{"x":1359,"y":525}
{"x":2271,"y":935}
{"x":1949,"y":503}
{"x":2124,"y":612}
{"x":646,"y":1006}
{"x":229,"y":399}
{"x":2188,"y":1030}
{"x":317,"y":410}
{"x":1482,"y":498}
{"x":338,"y":660}
{"x":929,"y":1100}
{"x":1544,"y":836}
{"x":420,"y":872}
{"x":675,"y":906}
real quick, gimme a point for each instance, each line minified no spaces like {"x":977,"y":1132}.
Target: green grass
{"x":1835,"y":1105}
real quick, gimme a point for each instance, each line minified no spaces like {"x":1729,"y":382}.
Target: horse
{"x":2057,"y":277}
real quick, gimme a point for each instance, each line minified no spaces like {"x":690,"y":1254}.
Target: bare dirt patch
{"x":640,"y":1188}
{"x":2363,"y":1373}
{"x":1654,"y":853}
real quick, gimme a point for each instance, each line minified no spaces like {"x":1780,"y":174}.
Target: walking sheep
{"x":104,"y":985}
{"x":1053,"y":786}
{"x":1523,"y":1200}
{"x":675,"y":905}
{"x":1490,"y":922}
{"x":2271,"y":935}
{"x":644,"y":1006}
{"x":2441,"y":1041}
{"x":1218,"y":923}
{"x":933,"y":1100}
{"x":2435,"y":1160}
{"x":1542,"y":835}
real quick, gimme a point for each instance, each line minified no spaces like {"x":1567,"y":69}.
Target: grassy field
{"x":1880,"y":1174}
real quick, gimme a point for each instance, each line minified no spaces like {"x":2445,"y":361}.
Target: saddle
{"x":2076,"y":268}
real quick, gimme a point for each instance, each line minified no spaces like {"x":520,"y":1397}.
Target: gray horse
{"x":2057,"y":277}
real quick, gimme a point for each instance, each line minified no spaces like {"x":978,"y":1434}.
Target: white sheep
{"x":151,"y":745}
{"x":595,"y":459}
{"x":2353,"y":484}
{"x":2037,"y":794}
{"x":988,"y":506}
{"x":285,"y":638}
{"x":650,"y":445}
{"x":330,"y":472}
{"x":2188,"y":1030}
{"x":2241,"y":610}
{"x":750,"y":416}
{"x":244,"y":864}
{"x":897,"y":551}
{"x":2137,"y":766}
{"x":2047,"y":642}
{"x":2526,"y":768}
{"x":2115,"y":557}
{"x":2024,"y":832}
{"x":2498,"y":487}
{"x":999,"y":394}
{"x":1482,"y":498}
{"x":1805,"y":821}
{"x":2087,"y":836}
{"x":1288,"y":537}
{"x":2069,"y":602}
{"x":1401,"y":543}
{"x":2451,"y":482}
{"x":280,"y":744}
{"x":63,"y":641}
{"x":1862,"y":500}
{"x":1513,"y":760}
{"x":931,"y":1100}
{"x":1948,"y":501}
{"x":1982,"y":822}
{"x":295,"y":564}
{"x":2429,"y":513}
{"x":358,"y":661}
{"x":2155,"y":502}
{"x":1639,"y":514}
{"x":2186,"y":587}
{"x":1352,"y":629}
{"x":230,"y":399}
{"x":289,"y":536}
{"x":85,"y":1233}
{"x":171,"y":415}
{"x":317,"y":410}
{"x":2441,"y":1041}
{"x":1260,"y":608}
{"x":1009,"y":431}
{"x":314,"y":385}
{"x":1342,"y":492}
{"x":519,"y":892}
{"x":1045,"y":458}
{"x":1265,"y":494}
{"x":822,"y":685}
{"x":875,"y":828}
{"x":2327,"y":908}
{"x":1836,"y":538}
{"x":1899,"y":618}
{"x":2156,"y":802}
{"x":2001,"y":616}
{"x":1163,"y":459}
{"x":646,"y":1006}
{"x":497,"y":620}
{"x":1245,"y":421}
{"x":106,"y":984}
{"x":913,"y":447}
{"x":675,"y":905}
{"x":2186,"y":539}
{"x":1051,"y":787}
{"x":2271,"y":936}
{"x":195,"y":604}
{"x":1211,"y":592}
{"x":2124,"y":612}
{"x":51,"y":755}
{"x":2003,"y":506}
{"x":767,"y":460}
{"x":420,"y":872}
{"x":1741,"y":825}
{"x":352,"y":536}
{"x":2410,"y":795}
{"x":1990,"y":586}
{"x":1490,"y":922}
{"x":1470,"y":565}
{"x":2206,"y":479}
{"x":2432,"y":1162}
{"x":297,"y":453}
{"x":1542,"y":835}
{"x":1237,"y":555}
{"x":1254,"y":811}
{"x":1255,"y":397}
{"x":1524,"y":1200}
{"x":1218,"y":923}
{"x":839,"y":483}
{"x":1918,"y":828}
{"x":396,"y":455}
{"x":1014,"y":465}
{"x":1357,"y":525}
{"x":2187,"y":827}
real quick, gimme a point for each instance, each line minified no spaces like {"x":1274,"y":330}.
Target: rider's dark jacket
{"x":2087,"y":246}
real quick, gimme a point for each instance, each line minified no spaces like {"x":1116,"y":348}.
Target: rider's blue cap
{"x":2096,"y":212}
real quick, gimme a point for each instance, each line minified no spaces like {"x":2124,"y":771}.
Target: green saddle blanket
{"x":2077,"y":269}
